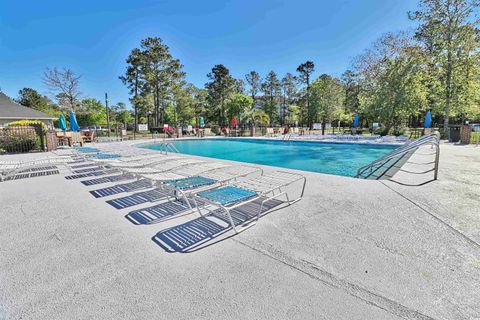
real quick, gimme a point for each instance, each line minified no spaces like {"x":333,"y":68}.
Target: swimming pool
{"x":332,"y":158}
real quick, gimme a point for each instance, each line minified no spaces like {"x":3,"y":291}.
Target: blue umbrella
{"x":355,"y":121}
{"x":202,"y":122}
{"x":62,"y":124}
{"x":73,"y":122}
{"x":428,"y":119}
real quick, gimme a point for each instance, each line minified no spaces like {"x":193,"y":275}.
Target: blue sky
{"x":94,"y":37}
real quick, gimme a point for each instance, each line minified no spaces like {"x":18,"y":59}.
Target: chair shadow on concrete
{"x":107,"y":179}
{"x":202,"y":232}
{"x":121,"y":188}
{"x":137,"y":198}
{"x":91,"y":174}
{"x":159,"y":212}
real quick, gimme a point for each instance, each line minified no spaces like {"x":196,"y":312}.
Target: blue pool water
{"x":332,"y":158}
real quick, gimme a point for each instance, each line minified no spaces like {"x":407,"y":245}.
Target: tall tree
{"x":134,"y":80}
{"x":221,"y":86}
{"x":352,"y":89}
{"x":161,"y":73}
{"x":255,"y":85}
{"x":289,"y":90}
{"x":184,"y":104}
{"x":272,"y":90}
{"x":305,"y":70}
{"x":120,"y":114}
{"x":200,"y":103}
{"x":237,"y":105}
{"x":392,"y":80}
{"x":29,"y":97}
{"x":448,"y":28}
{"x":91,"y":112}
{"x":64,"y":84}
{"x":328,"y":96}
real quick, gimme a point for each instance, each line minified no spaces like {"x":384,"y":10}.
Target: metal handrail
{"x":397,"y":153}
{"x":172,"y":147}
{"x":433,"y":139}
{"x":402,"y":151}
{"x":407,"y":146}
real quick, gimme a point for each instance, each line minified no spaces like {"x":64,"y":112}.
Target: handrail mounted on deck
{"x":391,"y":159}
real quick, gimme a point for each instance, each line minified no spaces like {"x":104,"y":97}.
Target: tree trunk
{"x":271,"y":112}
{"x":309,"y":122}
{"x":155,"y":110}
{"x":135,"y":120}
{"x":448,"y":93}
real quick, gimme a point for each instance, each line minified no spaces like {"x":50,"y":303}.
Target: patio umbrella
{"x":62,"y":124}
{"x":73,"y":122}
{"x":202,"y":122}
{"x":234,"y":122}
{"x":355,"y":121}
{"x":428,"y":119}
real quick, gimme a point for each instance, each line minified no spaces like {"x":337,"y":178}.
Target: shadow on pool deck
{"x":159,"y":212}
{"x":137,"y":198}
{"x":203,"y":232}
{"x":121,"y":188}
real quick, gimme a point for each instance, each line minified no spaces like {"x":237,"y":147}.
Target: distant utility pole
{"x":108,"y":114}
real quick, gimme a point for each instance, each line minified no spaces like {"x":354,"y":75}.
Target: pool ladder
{"x":378,"y":169}
{"x":166,"y":147}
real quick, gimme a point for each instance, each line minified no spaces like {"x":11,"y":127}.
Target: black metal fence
{"x":22,"y":139}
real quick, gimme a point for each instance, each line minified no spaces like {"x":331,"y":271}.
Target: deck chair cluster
{"x":10,"y":169}
{"x":196,"y":185}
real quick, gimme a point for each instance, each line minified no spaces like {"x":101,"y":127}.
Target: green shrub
{"x":15,"y":139}
{"x":382,"y":131}
{"x":27,"y":123}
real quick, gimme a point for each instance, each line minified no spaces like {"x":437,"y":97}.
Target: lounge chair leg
{"x":197,"y":206}
{"x":230,"y":219}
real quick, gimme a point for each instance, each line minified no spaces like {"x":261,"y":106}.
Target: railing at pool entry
{"x":164,"y":146}
{"x":384,"y":167}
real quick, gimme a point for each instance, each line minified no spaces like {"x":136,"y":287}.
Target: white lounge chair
{"x":177,"y":191}
{"x":9,"y":169}
{"x":239,"y":192}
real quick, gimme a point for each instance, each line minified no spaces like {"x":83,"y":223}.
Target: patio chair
{"x":77,"y":139}
{"x":164,"y":166}
{"x":9,"y":169}
{"x":207,"y":132}
{"x":266,"y":188}
{"x":141,"y":162}
{"x":177,"y":191}
{"x":86,"y":150}
{"x":168,"y":171}
{"x":131,"y":158}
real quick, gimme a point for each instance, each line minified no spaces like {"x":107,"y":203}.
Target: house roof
{"x":12,"y":110}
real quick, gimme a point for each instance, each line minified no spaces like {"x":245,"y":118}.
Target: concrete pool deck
{"x":350,"y":249}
